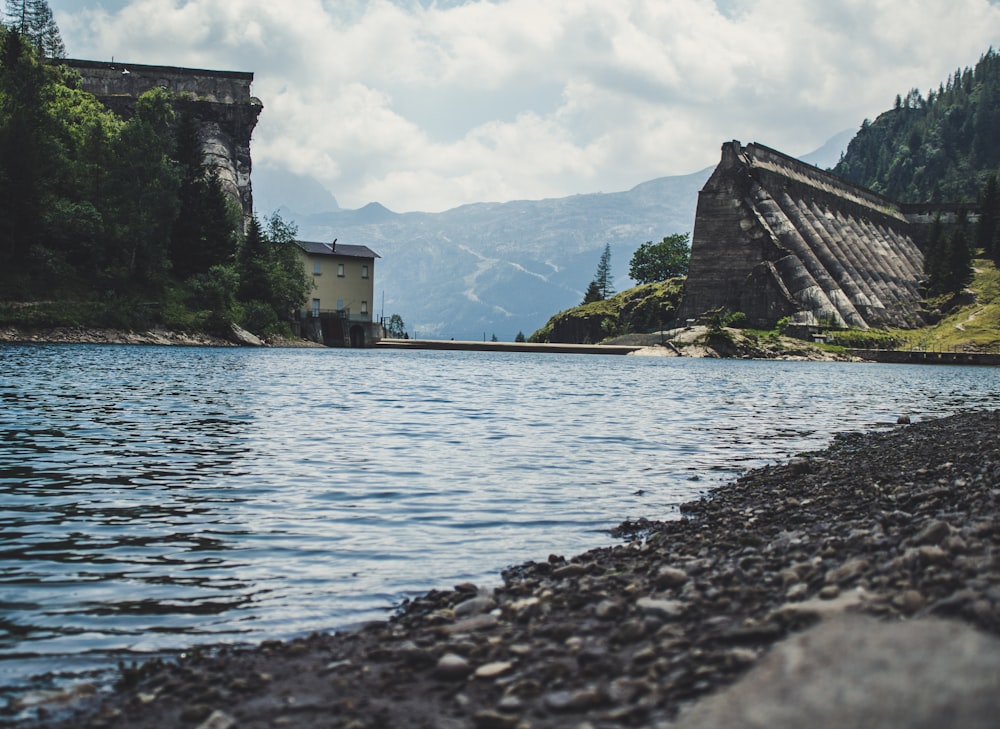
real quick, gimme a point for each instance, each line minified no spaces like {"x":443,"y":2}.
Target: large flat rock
{"x":855,"y":671}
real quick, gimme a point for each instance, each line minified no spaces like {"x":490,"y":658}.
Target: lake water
{"x":155,"y":498}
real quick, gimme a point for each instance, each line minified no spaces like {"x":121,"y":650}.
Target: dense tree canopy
{"x":125,"y":210}
{"x":938,"y":148}
{"x":654,"y":262}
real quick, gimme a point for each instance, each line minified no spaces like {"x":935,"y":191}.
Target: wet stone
{"x":489,"y":719}
{"x":933,"y":533}
{"x":452,"y":667}
{"x":493,"y":670}
{"x":630,"y":631}
{"x":909,"y":601}
{"x":474,"y":606}
{"x":218,"y":720}
{"x":846,"y":572}
{"x":670,"y":577}
{"x":608,"y":609}
{"x":659,"y":608}
{"x":572,"y":701}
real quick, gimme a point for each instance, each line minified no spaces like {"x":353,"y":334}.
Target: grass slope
{"x":971,"y":320}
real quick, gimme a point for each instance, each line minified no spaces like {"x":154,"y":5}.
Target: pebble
{"x":493,"y":670}
{"x":474,"y":606}
{"x":665,"y":609}
{"x":901,"y":523}
{"x":489,"y":719}
{"x":579,"y":700}
{"x":933,"y":533}
{"x":452,"y":666}
{"x":218,"y":720}
{"x":847,"y":571}
{"x":608,"y":609}
{"x":909,"y":601}
{"x":670,"y":577}
{"x":469,"y":625}
{"x":797,"y":592}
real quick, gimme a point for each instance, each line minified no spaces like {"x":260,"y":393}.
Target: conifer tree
{"x":989,"y":212}
{"x":934,"y":256}
{"x":33,"y":19}
{"x":960,"y":255}
{"x":23,"y":85}
{"x":592,"y":294}
{"x":203,"y":235}
{"x":603,"y":277}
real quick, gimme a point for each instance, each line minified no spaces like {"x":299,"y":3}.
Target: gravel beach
{"x":886,"y":531}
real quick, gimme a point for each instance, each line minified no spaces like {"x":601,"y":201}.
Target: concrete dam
{"x":775,"y":237}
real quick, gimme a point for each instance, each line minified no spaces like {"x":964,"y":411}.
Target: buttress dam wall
{"x":775,"y":237}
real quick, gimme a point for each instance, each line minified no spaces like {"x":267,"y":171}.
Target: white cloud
{"x":424,"y":106}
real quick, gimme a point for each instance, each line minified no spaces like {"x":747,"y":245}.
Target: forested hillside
{"x":120,"y":223}
{"x":935,"y":148}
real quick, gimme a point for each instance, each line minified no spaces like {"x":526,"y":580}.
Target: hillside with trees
{"x":118,"y":222}
{"x":941,"y":147}
{"x":658,"y":267}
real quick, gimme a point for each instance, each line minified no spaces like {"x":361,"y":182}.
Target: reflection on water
{"x":155,"y":498}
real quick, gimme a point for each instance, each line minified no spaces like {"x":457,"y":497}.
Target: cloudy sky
{"x":429,"y":104}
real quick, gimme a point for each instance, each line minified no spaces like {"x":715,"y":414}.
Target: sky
{"x":430,"y":104}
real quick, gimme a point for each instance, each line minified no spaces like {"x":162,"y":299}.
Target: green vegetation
{"x":938,"y":148}
{"x":970,"y":320}
{"x":33,"y":20}
{"x":948,"y":257}
{"x":395,"y":328}
{"x":601,"y":287}
{"x":660,"y":261}
{"x":644,"y":308}
{"x":119,"y":222}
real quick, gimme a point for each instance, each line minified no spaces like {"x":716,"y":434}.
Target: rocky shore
{"x":92,"y":335}
{"x":858,"y":586}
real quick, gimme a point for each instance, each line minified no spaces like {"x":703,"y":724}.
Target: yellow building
{"x":339,"y":310}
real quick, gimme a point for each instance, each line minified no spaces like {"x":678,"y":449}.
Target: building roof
{"x":336,"y":249}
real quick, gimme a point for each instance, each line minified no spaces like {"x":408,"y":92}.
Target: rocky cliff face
{"x":220,"y":100}
{"x":774,"y":237}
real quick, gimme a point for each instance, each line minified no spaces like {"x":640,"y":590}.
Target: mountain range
{"x":496,"y":269}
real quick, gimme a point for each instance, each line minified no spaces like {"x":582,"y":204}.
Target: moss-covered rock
{"x":641,"y":309}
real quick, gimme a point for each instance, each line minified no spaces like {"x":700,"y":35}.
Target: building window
{"x":315,"y":309}
{"x":316,"y":268}
{"x":340,"y":270}
{"x":364,"y":272}
{"x":364,"y":307}
{"x":340,"y":304}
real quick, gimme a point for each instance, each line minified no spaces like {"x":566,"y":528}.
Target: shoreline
{"x":902,"y":526}
{"x":159,"y":337}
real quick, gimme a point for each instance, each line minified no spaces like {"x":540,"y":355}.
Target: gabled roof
{"x":336,"y":249}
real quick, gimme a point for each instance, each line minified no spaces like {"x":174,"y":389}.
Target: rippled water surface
{"x":154,"y":498}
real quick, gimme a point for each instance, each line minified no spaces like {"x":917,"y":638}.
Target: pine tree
{"x":203,"y":235}
{"x":934,"y":255}
{"x":603,"y":277}
{"x":989,"y":212}
{"x":33,"y":19}
{"x":592,"y":294}
{"x":23,"y":85}
{"x":960,"y":255}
